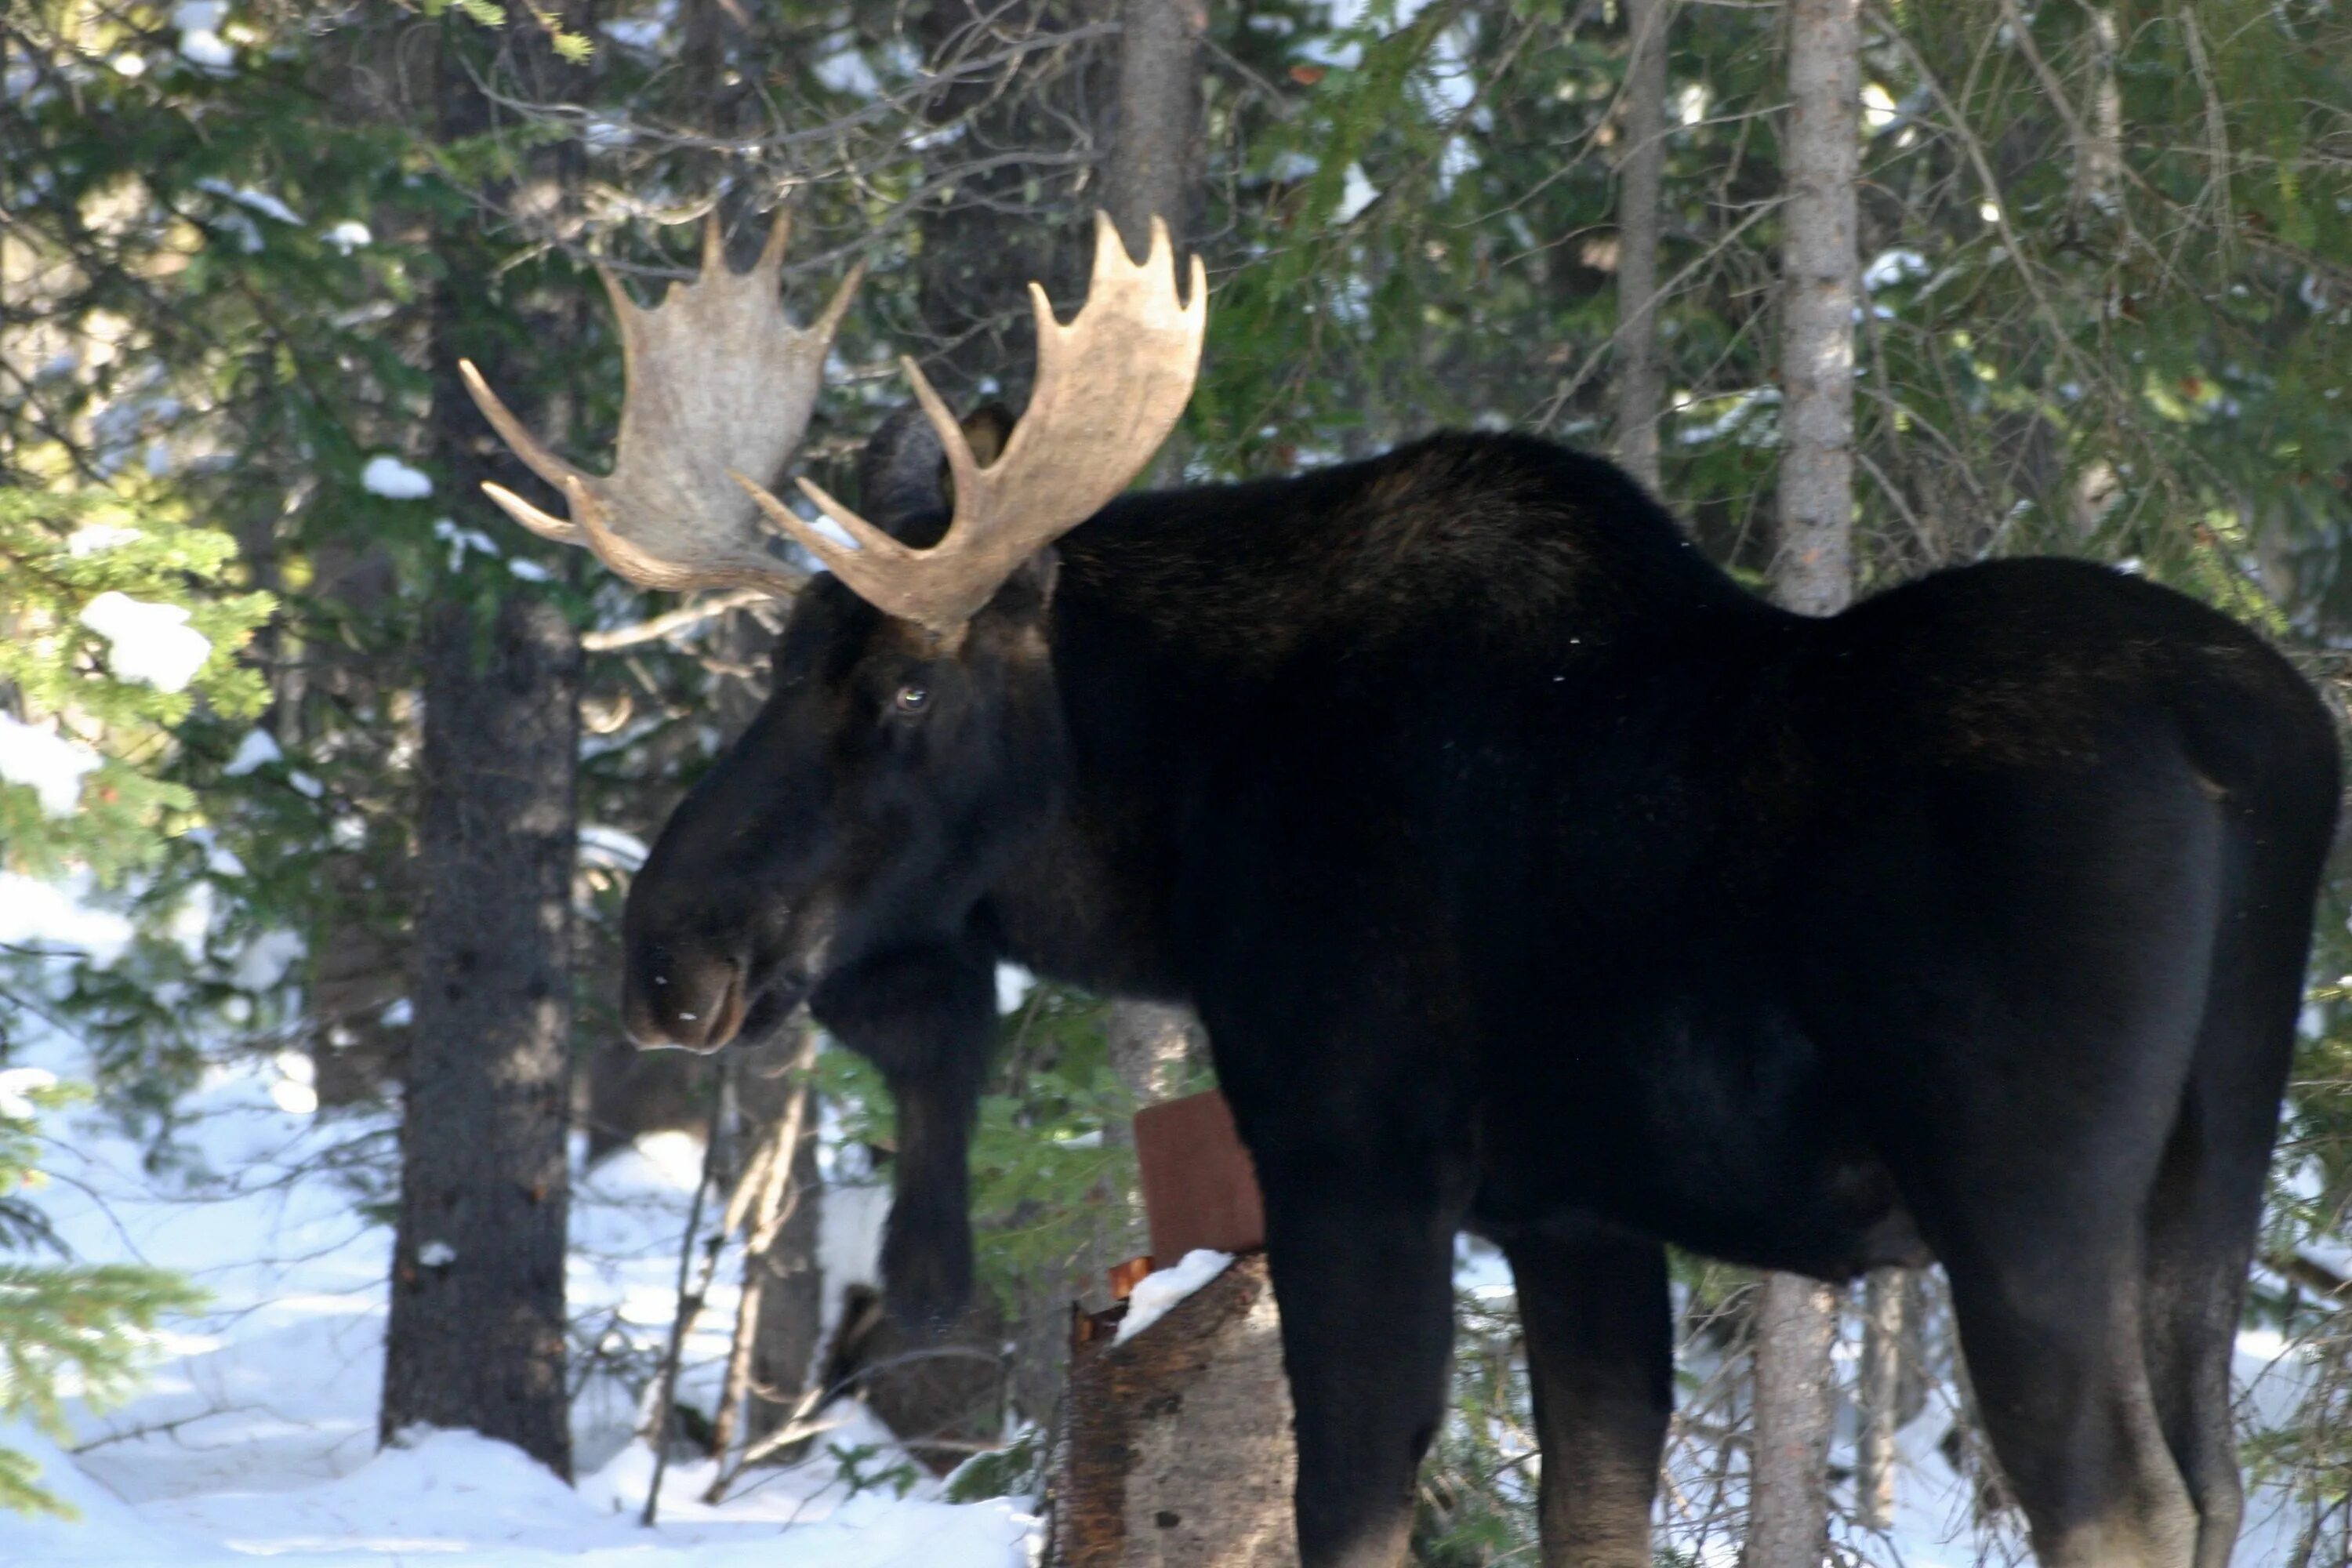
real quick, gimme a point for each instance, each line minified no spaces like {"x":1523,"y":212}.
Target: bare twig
{"x":689,"y":1303}
{"x":659,"y":626}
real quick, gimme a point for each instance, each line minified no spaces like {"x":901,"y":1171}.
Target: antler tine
{"x":868,"y":541}
{"x":877,"y":569}
{"x":535,"y":456}
{"x":963,"y":468}
{"x":1109,"y":387}
{"x":779,"y":235}
{"x":714,"y":245}
{"x":718,"y":380}
{"x":545,"y":524}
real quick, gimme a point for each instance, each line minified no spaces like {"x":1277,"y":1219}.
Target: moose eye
{"x":913,"y":698}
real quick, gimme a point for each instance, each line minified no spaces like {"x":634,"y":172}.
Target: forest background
{"x":284,"y":697}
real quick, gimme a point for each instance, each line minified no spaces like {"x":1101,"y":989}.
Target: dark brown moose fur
{"x":1533,"y":876}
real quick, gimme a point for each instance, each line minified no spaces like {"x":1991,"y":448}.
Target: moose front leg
{"x":1363,"y":1268}
{"x":926,"y":1017}
{"x":1594,"y":1307}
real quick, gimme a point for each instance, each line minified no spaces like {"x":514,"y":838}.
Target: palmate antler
{"x":1109,"y":387}
{"x":719,"y":381}
{"x":720,"y":389}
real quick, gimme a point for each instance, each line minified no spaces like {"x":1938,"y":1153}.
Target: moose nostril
{"x":700,"y":1007}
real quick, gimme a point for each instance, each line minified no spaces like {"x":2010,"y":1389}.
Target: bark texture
{"x":2099,"y":150}
{"x":1150,"y":1041}
{"x":1796,"y":1398}
{"x":1154,"y":172}
{"x":476,"y":1337}
{"x":1641,"y":369}
{"x":1178,"y":1451}
{"x":1812,"y":566}
{"x":1154,"y":152}
{"x":1886,"y":1298}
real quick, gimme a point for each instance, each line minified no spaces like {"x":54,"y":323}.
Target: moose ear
{"x":902,"y":480}
{"x":902,"y":473}
{"x":1028,"y":593}
{"x":986,"y":430}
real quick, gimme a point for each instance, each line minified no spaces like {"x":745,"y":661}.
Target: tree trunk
{"x":1796,"y":1397}
{"x":1155,"y":154}
{"x":477,"y":1331}
{"x":1641,"y":370}
{"x":1812,"y":567}
{"x":476,"y":1336}
{"x":1812,"y":572}
{"x":2099,"y":157}
{"x":1879,"y":1398}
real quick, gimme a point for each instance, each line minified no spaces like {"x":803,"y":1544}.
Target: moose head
{"x":912,"y":741}
{"x":909,"y":736}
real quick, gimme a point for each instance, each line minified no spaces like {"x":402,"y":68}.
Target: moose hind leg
{"x":2053,"y":1351}
{"x":2193,"y":1291}
{"x":1600,"y":1333}
{"x":2206,"y":1206}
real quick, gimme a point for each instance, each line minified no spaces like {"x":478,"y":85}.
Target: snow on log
{"x":1177,"y":1445}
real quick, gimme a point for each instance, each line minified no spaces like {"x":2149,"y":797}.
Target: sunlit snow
{"x":254,"y":1438}
{"x":266,"y":959}
{"x":50,"y":765}
{"x":393,"y":479}
{"x":1156,"y":1293}
{"x":613,"y":846}
{"x":201,"y":44}
{"x":18,"y":1085}
{"x":148,"y":642}
{"x":96,"y":539}
{"x":261,"y":202}
{"x":462,"y":539}
{"x":34,"y":913}
{"x":257,"y":750}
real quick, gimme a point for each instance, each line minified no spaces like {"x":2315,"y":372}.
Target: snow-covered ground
{"x":255,"y":1435}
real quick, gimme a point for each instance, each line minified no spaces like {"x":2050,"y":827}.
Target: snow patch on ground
{"x":1157,"y":1292}
{"x":255,"y":1436}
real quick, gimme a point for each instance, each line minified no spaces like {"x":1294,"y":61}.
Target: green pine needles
{"x":67,"y":1330}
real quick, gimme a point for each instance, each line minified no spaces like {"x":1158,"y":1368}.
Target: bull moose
{"x":1530,"y":875}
